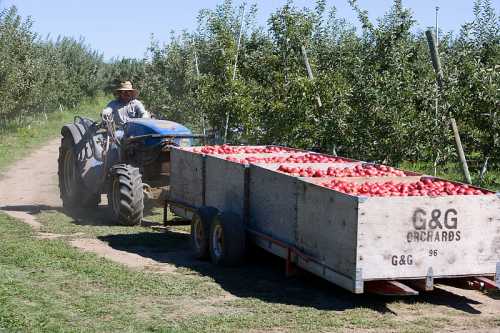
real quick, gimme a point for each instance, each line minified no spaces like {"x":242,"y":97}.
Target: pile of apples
{"x":293,"y":158}
{"x":227,"y":150}
{"x":356,"y":171}
{"x":424,"y":187}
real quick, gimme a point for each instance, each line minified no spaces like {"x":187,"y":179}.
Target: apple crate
{"x":350,"y":240}
{"x":211,"y":180}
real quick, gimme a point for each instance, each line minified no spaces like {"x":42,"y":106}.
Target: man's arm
{"x":141,"y":110}
{"x":107,"y":111}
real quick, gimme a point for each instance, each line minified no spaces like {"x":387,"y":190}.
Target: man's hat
{"x":126,"y":86}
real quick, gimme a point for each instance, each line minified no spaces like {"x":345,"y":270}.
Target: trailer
{"x":381,"y":244}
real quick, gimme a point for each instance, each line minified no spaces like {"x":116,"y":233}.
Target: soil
{"x":30,"y":186}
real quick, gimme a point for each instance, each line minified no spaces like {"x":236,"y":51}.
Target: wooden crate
{"x":186,"y":180}
{"x":225,"y":185}
{"x":355,"y":239}
{"x":343,"y":238}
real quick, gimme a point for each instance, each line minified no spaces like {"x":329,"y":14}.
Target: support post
{"x":460,"y":149}
{"x":309,"y":72}
{"x":436,"y":63}
{"x":235,"y":66}
{"x":197,"y":68}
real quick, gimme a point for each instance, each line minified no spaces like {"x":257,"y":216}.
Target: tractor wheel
{"x":125,"y":195}
{"x":71,"y":188}
{"x":227,"y":239}
{"x":200,"y":231}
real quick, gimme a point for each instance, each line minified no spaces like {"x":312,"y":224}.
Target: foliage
{"x":39,"y":76}
{"x":377,"y":87}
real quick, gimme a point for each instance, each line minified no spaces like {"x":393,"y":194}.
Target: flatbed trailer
{"x":386,"y":245}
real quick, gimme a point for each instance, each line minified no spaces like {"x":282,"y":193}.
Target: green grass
{"x":15,"y":143}
{"x":47,"y":286}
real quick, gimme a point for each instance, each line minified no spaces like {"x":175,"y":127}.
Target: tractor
{"x":130,"y":164}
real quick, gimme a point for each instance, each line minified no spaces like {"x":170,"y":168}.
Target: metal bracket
{"x":358,"y":283}
{"x":429,"y":280}
{"x":497,"y":275}
{"x":362,"y":199}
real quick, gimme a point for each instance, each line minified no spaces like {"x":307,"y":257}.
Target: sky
{"x":123,"y":28}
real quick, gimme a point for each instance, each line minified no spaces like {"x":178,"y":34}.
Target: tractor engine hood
{"x":143,"y":126}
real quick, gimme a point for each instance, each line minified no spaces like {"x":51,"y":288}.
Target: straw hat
{"x":126,"y":86}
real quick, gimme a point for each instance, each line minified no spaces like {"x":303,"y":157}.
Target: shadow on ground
{"x":262,"y":277}
{"x":30,"y":209}
{"x":97,"y":217}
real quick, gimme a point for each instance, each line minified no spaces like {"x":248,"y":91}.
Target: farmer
{"x":125,"y":106}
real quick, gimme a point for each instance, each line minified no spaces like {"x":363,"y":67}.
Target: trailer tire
{"x":227,"y":239}
{"x":125,"y":195}
{"x":200,"y":231}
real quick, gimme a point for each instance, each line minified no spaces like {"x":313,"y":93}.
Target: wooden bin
{"x":352,"y":239}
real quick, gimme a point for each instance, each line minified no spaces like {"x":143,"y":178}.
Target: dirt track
{"x":30,"y":185}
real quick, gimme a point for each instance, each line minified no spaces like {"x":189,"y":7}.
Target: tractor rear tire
{"x":125,"y":195}
{"x":227,"y":239}
{"x":71,"y":187}
{"x":200,"y":231}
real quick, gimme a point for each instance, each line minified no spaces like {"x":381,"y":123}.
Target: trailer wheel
{"x":227,"y":239}
{"x":125,"y":195}
{"x":200,"y":231}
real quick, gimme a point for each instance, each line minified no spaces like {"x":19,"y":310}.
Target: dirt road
{"x":30,"y":185}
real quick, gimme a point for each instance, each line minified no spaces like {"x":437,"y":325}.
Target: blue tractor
{"x":129,"y":164}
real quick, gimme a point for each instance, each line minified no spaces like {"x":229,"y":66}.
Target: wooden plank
{"x":403,"y":237}
{"x":225,"y":185}
{"x":186,"y":180}
{"x":273,"y":200}
{"x":327,"y":226}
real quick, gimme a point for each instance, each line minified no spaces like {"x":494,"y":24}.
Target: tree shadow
{"x":262,"y":277}
{"x":92,"y":217}
{"x":30,"y":209}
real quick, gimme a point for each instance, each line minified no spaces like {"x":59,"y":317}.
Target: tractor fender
{"x":77,"y":131}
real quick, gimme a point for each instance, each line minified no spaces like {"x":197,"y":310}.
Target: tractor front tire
{"x":71,"y":187}
{"x":125,"y":195}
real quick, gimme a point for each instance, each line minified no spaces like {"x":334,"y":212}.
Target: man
{"x":125,"y":106}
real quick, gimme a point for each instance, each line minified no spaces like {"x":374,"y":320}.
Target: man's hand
{"x":106,"y":114}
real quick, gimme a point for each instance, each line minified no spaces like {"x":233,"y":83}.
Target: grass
{"x":48,"y":286}
{"x":17,"y":143}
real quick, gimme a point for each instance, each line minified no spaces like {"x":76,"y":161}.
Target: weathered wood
{"x":187,"y":178}
{"x":460,"y":150}
{"x":225,"y":185}
{"x":309,"y":72}
{"x":403,"y":237}
{"x":436,"y":61}
{"x":273,"y":201}
{"x":327,"y":227}
{"x":346,"y":239}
